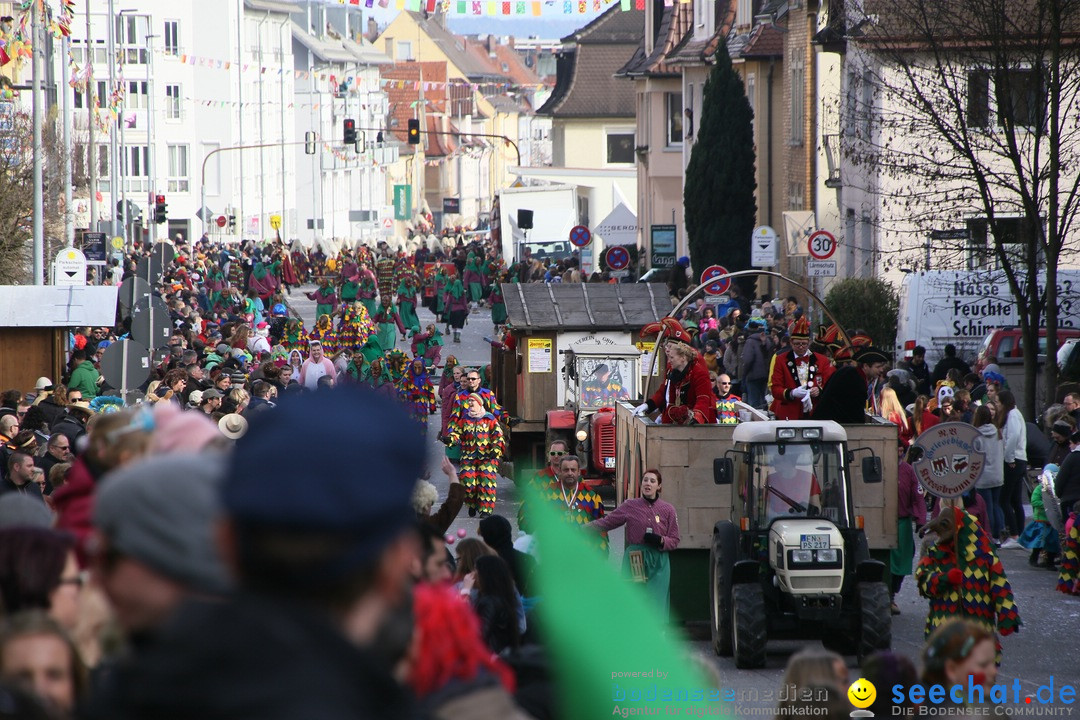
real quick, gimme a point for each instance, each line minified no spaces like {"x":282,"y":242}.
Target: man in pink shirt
{"x":316,"y":367}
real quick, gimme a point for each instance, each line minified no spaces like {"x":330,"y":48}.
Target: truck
{"x":714,"y":475}
{"x":572,"y":352}
{"x":554,"y":212}
{"x":962,"y":307}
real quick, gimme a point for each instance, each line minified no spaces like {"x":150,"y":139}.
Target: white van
{"x":961,"y":307}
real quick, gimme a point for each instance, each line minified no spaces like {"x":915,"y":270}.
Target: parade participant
{"x":726,"y":410}
{"x":324,"y":334}
{"x":1069,"y":571}
{"x":384,"y":274}
{"x":911,"y":516}
{"x":428,"y":344}
{"x":798,"y":376}
{"x":368,"y":288}
{"x":791,"y":488}
{"x":845,"y":396}
{"x":322,"y":568}
{"x":470,"y":385}
{"x":325,"y":298}
{"x":498,"y":304}
{"x":418,"y":393}
{"x":1039,"y":535}
{"x":406,"y":297}
{"x":316,"y":367}
{"x":259,"y":342}
{"x":686,"y":396}
{"x":263,"y":280}
{"x":962,"y":576}
{"x":356,"y":328}
{"x":473,"y":277}
{"x":574,"y":500}
{"x":397,"y":362}
{"x":387,"y":320}
{"x":438,"y":287}
{"x":456,"y":307}
{"x":296,"y":337}
{"x":960,"y":653}
{"x":482,"y":443}
{"x":652,"y":528}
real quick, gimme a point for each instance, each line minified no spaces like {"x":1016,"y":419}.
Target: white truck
{"x":554,"y":213}
{"x":938,"y":307}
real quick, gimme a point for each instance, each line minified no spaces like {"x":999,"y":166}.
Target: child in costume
{"x":1069,"y":572}
{"x":482,"y":443}
{"x":961,"y":576}
{"x":417,"y":392}
{"x":1040,"y":536}
{"x":498,"y":306}
{"x":387,"y":319}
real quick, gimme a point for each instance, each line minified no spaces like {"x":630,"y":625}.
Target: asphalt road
{"x":1044,"y":647}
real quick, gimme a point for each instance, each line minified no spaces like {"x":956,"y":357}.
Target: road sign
{"x":70,"y":267}
{"x":820,"y":268}
{"x":222,"y":221}
{"x":150,"y":322}
{"x":93,"y":247}
{"x":763,"y":245}
{"x":580,"y":236}
{"x":132,"y":290}
{"x":118,"y":243}
{"x":275,"y":222}
{"x":822,"y":245}
{"x":126,"y":364}
{"x":617,"y":257}
{"x":717,"y":287}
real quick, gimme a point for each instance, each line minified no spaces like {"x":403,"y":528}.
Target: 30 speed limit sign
{"x":821,"y":244}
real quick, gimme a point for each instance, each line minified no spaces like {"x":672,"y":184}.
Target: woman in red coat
{"x":686,"y":396}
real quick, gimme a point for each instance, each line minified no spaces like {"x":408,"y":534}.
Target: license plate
{"x":609,"y":463}
{"x":814,"y":542}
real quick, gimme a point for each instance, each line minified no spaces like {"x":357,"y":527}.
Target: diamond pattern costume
{"x":356,"y":328}
{"x":579,"y":507}
{"x":384,"y":276}
{"x":482,"y":443}
{"x":461,"y":407}
{"x":1069,"y":570}
{"x":295,"y":338}
{"x":970,"y":583}
{"x":324,"y":333}
{"x":418,"y":394}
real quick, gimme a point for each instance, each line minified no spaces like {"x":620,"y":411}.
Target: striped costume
{"x":482,"y":443}
{"x":972,"y":586}
{"x":579,"y":507}
{"x":1069,"y":572}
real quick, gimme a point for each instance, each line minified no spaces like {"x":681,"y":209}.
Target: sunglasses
{"x":556,"y":453}
{"x":724,"y":383}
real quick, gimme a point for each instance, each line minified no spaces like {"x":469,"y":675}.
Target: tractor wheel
{"x":875,"y":632}
{"x":749,"y":629}
{"x":720,"y":596}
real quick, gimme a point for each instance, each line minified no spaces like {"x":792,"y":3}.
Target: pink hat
{"x":177,"y":430}
{"x":262,"y":325}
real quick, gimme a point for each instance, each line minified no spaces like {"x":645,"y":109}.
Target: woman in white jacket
{"x":993,"y":475}
{"x":1014,"y":432}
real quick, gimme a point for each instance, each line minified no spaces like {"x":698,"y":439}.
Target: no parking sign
{"x":617,"y":258}
{"x":715,"y":287}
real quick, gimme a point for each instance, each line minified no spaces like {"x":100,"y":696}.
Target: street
{"x":1045,"y":612}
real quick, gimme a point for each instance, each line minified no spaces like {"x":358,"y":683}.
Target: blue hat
{"x":684,"y":261}
{"x":341,"y":460}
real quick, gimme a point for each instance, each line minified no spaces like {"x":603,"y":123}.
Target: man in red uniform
{"x":686,"y":397}
{"x":797,"y":376}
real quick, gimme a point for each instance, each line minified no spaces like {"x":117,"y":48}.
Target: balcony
{"x":831,"y":144}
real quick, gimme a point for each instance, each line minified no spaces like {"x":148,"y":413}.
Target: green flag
{"x":607,"y":648}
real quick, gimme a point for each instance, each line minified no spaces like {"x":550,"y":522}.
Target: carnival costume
{"x":686,"y":396}
{"x":406,"y":296}
{"x":429,"y":345}
{"x":970,"y":583}
{"x":579,"y":507}
{"x":325,"y":299}
{"x":418,"y":394}
{"x":368,"y":289}
{"x":791,"y":372}
{"x":456,"y":306}
{"x":324,"y":333}
{"x":397,"y":362}
{"x":461,"y":406}
{"x":473,"y":278}
{"x":482,"y":443}
{"x":498,"y":305}
{"x":1069,"y":571}
{"x":355,"y":328}
{"x":384,"y":276}
{"x":295,"y":338}
{"x":388,"y":319}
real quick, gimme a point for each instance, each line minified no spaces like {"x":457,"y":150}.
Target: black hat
{"x":870,"y":354}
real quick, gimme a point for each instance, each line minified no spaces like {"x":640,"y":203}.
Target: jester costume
{"x":397,"y":362}
{"x":325,"y":299}
{"x":367,"y":290}
{"x":264,"y":279}
{"x":461,"y":404}
{"x":350,"y":288}
{"x":406,"y":297}
{"x":355,"y":328}
{"x":402,"y":267}
{"x":482,"y":443}
{"x":473,"y":277}
{"x":418,"y":393}
{"x":1069,"y":570}
{"x":457,"y":307}
{"x":579,"y":506}
{"x":296,"y":338}
{"x":387,"y":319}
{"x":961,"y":576}
{"x":324,"y":333}
{"x":498,"y":305}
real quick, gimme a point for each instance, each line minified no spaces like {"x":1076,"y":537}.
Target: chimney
{"x":372,"y":29}
{"x":492,"y":43}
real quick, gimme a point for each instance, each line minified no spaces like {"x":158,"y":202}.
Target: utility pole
{"x":151,"y":140}
{"x":65,"y":88}
{"x":240,"y":104}
{"x":262,"y":135}
{"x":39,"y":150}
{"x":114,"y":153}
{"x":91,"y":115}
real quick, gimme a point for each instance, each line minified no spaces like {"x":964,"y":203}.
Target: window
{"x":100,"y":95}
{"x":172,"y":37}
{"x":867,"y":102}
{"x":136,"y":95}
{"x":404,"y":50}
{"x":1015,"y":235}
{"x":978,"y":99}
{"x":172,"y":102}
{"x":795,"y":196}
{"x":620,"y":147}
{"x":798,"y":92}
{"x":131,"y":32}
{"x":751,"y":96}
{"x":674,"y":119}
{"x":178,"y":168}
{"x":1020,"y":98}
{"x":135,"y":161}
{"x":851,"y":107}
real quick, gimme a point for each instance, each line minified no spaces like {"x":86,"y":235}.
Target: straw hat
{"x":233,"y":426}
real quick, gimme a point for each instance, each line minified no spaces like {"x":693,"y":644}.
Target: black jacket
{"x":251,"y":658}
{"x":1067,"y":482}
{"x":944,"y":365}
{"x":843,"y":398}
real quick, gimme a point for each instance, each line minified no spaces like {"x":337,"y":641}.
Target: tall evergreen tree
{"x":718,"y":195}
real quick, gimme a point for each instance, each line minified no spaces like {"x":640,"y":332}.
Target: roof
{"x":281,"y":6}
{"x":584,"y":306}
{"x":366,"y":53}
{"x":586,"y":85}
{"x":765,"y":41}
{"x":57,"y":305}
{"x":325,"y":50}
{"x":676,"y":25}
{"x":454,"y":47}
{"x":403,"y":100}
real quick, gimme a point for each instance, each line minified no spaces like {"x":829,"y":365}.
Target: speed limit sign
{"x":822,"y":245}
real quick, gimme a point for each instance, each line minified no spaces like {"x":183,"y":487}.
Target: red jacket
{"x":74,"y":505}
{"x":691,"y":390}
{"x":782,"y":382}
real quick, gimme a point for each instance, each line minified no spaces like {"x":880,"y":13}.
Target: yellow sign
{"x":539,"y":355}
{"x":647,"y":349}
{"x":118,"y":243}
{"x":275,"y":222}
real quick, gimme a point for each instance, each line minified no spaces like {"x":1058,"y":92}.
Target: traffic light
{"x":414,"y":132}
{"x":232,"y":223}
{"x":350,"y":131}
{"x":309,"y":143}
{"x":160,"y":209}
